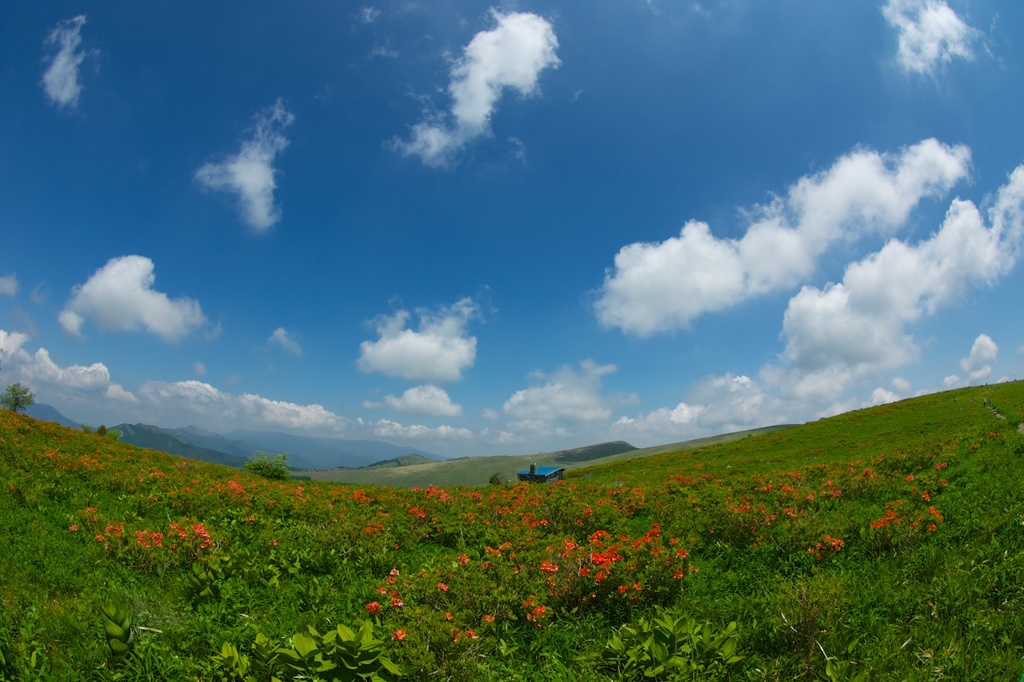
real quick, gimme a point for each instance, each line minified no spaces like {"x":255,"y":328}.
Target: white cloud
{"x":385,"y":428}
{"x":656,"y":287}
{"x":882,"y":396}
{"x":94,"y":379}
{"x":901,"y":385}
{"x":567,"y":395}
{"x":39,"y":371}
{"x":284,"y":340}
{"x":511,"y":55}
{"x":368,"y":15}
{"x":720,"y":404}
{"x":11,"y":343}
{"x":930,"y":34}
{"x":9,"y":285}
{"x":983,"y":351}
{"x":439,"y":351}
{"x":120,"y":297}
{"x":426,"y":399}
{"x":60,"y":80}
{"x":250,"y":174}
{"x":848,"y":333}
{"x":203,"y":401}
{"x":852,"y":330}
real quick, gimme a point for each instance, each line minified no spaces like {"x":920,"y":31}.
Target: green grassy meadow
{"x":882,"y":544}
{"x":479,"y":470}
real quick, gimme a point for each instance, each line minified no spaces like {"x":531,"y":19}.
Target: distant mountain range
{"x":234,"y":447}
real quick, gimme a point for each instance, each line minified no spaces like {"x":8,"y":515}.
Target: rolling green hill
{"x":479,"y":470}
{"x":881,"y":544}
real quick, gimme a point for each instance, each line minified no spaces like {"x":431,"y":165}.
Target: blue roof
{"x":541,"y":471}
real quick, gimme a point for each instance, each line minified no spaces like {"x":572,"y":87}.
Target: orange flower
{"x":399,"y":635}
{"x":373,"y":607}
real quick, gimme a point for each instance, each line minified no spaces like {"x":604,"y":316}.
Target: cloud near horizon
{"x":120,"y":297}
{"x":438,"y":351}
{"x":509,"y":56}
{"x":983,"y":351}
{"x":250,"y":174}
{"x":75,"y":382}
{"x":60,"y":80}
{"x":568,"y":395}
{"x":427,"y":399}
{"x":200,"y":400}
{"x":663,"y":286}
{"x":853,"y":332}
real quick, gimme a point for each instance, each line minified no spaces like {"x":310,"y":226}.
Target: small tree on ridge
{"x":17,"y":398}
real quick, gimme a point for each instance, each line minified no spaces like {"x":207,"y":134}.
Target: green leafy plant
{"x":232,"y":665}
{"x":670,"y":647}
{"x":117,"y":623}
{"x":339,"y":654}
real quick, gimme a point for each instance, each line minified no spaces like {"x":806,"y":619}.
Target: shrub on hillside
{"x":273,"y":467}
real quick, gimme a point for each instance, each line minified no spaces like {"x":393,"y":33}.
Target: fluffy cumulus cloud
{"x":201,"y":401}
{"x":71,"y":383}
{"x":285,"y":340}
{"x":439,"y":350}
{"x":250,"y":174}
{"x":567,"y":395}
{"x":854,"y":329}
{"x":60,"y":80}
{"x":661,"y":286}
{"x":720,"y":404}
{"x":976,"y":365}
{"x":427,"y":399}
{"x":509,"y":56}
{"x":844,"y":334}
{"x":9,"y":285}
{"x":930,"y":34}
{"x":120,"y":297}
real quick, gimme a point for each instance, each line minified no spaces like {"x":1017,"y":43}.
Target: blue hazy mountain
{"x":49,"y":413}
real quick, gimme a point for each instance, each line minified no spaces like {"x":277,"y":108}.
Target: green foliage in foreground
{"x":881,"y":544}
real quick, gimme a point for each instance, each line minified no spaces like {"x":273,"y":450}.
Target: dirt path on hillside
{"x":999,"y":414}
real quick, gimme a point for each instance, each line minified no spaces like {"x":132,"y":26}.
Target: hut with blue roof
{"x":536,"y":474}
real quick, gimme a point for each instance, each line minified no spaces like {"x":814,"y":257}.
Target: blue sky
{"x":482,"y":228}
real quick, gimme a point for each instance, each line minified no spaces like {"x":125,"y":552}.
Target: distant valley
{"x":235,"y":447}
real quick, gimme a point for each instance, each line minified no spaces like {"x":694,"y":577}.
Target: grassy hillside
{"x":883,"y":544}
{"x":479,"y":470}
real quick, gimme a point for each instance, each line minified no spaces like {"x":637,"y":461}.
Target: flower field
{"x":883,"y":544}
